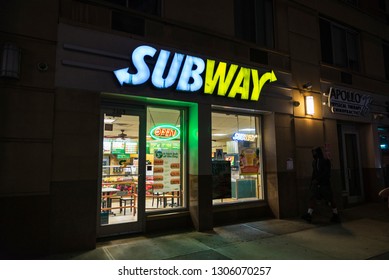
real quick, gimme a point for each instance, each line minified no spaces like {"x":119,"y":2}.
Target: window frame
{"x":184,"y":164}
{"x":349,"y":34}
{"x":261,"y":187}
{"x":157,"y":7}
{"x":251,"y":32}
{"x":354,"y":3}
{"x":385,"y":54}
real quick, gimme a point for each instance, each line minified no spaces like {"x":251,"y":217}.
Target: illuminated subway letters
{"x":212,"y":78}
{"x":193,"y":68}
{"x":143,"y":73}
{"x":157,"y":78}
{"x":258,"y":84}
{"x":241,"y":84}
{"x":219,"y":77}
{"x":227,"y":80}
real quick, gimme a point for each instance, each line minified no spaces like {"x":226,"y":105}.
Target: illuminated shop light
{"x":157,"y":77}
{"x":143,"y":73}
{"x":220,"y":78}
{"x":188,"y":72}
{"x":244,"y":137}
{"x":309,"y":105}
{"x":109,"y":120}
{"x":165,"y":132}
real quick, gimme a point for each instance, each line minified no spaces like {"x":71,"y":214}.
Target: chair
{"x":156,"y":195}
{"x":125,"y":197}
{"x":163,"y":197}
{"x":108,"y":197}
{"x":173,"y":197}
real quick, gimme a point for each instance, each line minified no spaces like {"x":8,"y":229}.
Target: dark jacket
{"x":321,"y":168}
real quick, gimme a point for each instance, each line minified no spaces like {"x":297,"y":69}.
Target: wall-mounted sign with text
{"x":244,"y":137}
{"x":192,"y":74}
{"x":348,"y":101}
{"x":166,"y":177}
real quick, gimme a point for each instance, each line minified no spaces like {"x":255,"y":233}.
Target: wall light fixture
{"x":309,"y":105}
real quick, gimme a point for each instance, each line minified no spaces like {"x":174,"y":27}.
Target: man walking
{"x":321,"y":185}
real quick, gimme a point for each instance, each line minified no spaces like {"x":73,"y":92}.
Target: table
{"x":106,"y":193}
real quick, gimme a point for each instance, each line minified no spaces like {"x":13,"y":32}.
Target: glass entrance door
{"x":352,"y":164}
{"x":122,"y":190}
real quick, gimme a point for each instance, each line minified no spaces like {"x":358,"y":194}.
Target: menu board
{"x":107,"y":147}
{"x":166,"y":170}
{"x":131,"y":147}
{"x":118,"y":147}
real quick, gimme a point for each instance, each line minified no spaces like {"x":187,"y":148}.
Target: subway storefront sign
{"x":193,"y":74}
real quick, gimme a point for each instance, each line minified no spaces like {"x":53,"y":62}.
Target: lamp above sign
{"x":348,"y":102}
{"x":186,"y":73}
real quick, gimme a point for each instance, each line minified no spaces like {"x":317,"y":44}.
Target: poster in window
{"x":249,"y":161}
{"x":107,"y":147}
{"x":167,"y":170}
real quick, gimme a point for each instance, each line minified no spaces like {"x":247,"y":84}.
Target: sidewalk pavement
{"x":363,"y":234}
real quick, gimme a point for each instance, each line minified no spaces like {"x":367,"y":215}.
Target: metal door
{"x":352,"y":171}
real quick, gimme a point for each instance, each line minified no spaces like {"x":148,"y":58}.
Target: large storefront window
{"x":236,"y":158}
{"x":164,"y":157}
{"x":120,"y":169}
{"x":127,"y":190}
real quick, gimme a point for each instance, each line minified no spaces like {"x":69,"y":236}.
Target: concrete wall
{"x":279,"y":147}
{"x":75,"y":170}
{"x":49,"y":164}
{"x":200,"y":173}
{"x":208,"y":15}
{"x":26,"y":130}
{"x":287,"y":188}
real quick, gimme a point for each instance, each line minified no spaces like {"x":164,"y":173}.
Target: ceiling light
{"x":109,"y":120}
{"x":247,"y":129}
